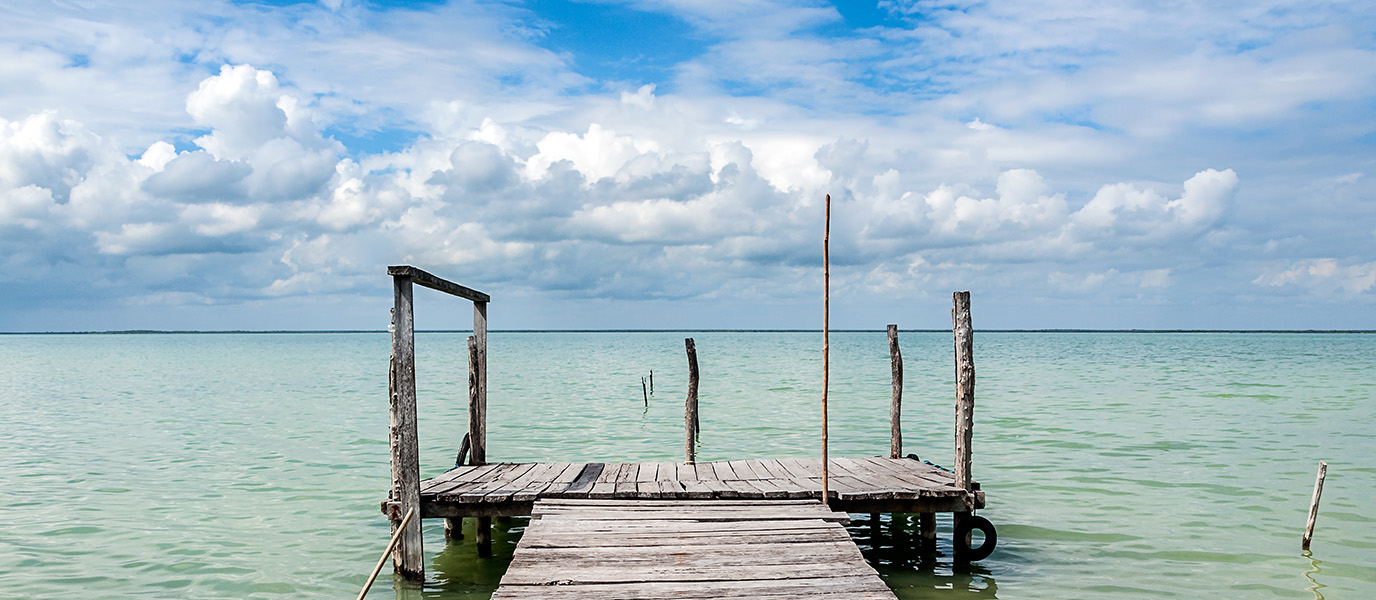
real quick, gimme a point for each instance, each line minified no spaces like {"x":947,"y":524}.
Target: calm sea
{"x":1116,"y":465}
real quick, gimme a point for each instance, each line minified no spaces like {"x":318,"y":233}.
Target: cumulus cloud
{"x":1322,"y":274}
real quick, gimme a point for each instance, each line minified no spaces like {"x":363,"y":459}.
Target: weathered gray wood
{"x":965,"y":386}
{"x":1314,"y":505}
{"x":479,"y":433}
{"x":896,"y":404}
{"x":690,"y":406}
{"x":437,"y":283}
{"x":408,"y":557}
{"x":660,"y":549}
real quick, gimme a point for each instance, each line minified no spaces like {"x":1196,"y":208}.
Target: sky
{"x":663,"y":164}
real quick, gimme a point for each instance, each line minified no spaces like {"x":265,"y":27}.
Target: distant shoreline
{"x":336,"y":331}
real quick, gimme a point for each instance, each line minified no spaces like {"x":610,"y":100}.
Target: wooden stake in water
{"x":826,"y":335}
{"x":1314,"y":506}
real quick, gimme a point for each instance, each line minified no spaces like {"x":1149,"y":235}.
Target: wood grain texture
{"x":965,"y":385}
{"x":690,"y":405}
{"x":437,"y":283}
{"x":478,"y":398}
{"x":1314,"y":506}
{"x":660,"y":549}
{"x":896,"y":402}
{"x":408,"y":557}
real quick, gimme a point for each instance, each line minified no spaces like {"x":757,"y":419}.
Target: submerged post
{"x":1314,"y":506}
{"x":690,"y":405}
{"x":408,"y":558}
{"x":896,"y":405}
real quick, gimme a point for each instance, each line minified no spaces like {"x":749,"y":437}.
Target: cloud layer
{"x":249,"y":167}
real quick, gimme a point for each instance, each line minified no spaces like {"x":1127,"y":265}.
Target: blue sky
{"x":662,"y":163}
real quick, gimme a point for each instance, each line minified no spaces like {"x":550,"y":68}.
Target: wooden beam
{"x":965,"y":386}
{"x":436,"y":283}
{"x":408,"y":558}
{"x":896,"y":405}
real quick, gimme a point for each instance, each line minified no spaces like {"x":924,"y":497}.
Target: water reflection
{"x":893,"y":546}
{"x":1314,"y":570}
{"x":456,"y":571}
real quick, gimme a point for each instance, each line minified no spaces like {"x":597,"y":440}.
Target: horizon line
{"x":670,"y":330}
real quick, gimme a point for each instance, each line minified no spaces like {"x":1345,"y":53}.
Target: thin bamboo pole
{"x":385,"y":553}
{"x":826,"y":339}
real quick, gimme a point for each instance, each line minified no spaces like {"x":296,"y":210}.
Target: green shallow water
{"x":1116,"y":465}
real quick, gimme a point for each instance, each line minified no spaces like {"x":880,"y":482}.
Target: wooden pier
{"x":696,"y":508}
{"x":662,"y":549}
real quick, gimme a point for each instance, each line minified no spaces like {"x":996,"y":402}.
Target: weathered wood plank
{"x":437,"y":283}
{"x":896,"y":402}
{"x":964,"y":334}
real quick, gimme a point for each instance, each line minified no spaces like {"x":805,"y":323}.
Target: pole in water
{"x":652,"y":381}
{"x":826,"y":335}
{"x":1314,"y":506}
{"x":644,"y":393}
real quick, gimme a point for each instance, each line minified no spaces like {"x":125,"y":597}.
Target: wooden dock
{"x":873,"y":484}
{"x":662,"y":549}
{"x":669,"y":529}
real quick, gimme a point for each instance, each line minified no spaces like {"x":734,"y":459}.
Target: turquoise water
{"x":1116,"y":465}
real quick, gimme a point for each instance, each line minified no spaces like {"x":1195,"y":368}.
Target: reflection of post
{"x":1314,"y":505}
{"x":690,"y":405}
{"x":896,"y":404}
{"x":408,"y":558}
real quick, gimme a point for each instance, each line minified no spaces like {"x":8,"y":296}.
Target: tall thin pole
{"x":826,"y":339}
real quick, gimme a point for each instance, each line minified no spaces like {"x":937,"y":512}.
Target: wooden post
{"x":826,"y":338}
{"x":478,"y":429}
{"x":896,"y":405}
{"x":644,"y":393}
{"x":482,"y":535}
{"x":408,"y":557}
{"x":965,"y":386}
{"x":453,"y":528}
{"x":926,"y":524}
{"x":652,"y":381}
{"x":690,"y":405}
{"x":1314,"y":505}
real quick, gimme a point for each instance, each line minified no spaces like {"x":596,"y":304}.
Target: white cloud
{"x":1322,"y":275}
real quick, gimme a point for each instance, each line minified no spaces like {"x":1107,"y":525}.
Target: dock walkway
{"x":871,"y":484}
{"x":660,"y":549}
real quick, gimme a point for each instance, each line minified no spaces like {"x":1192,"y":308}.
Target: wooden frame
{"x":408,"y":557}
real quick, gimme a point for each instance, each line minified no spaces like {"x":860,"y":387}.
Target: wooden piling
{"x":644,"y":392}
{"x":652,"y":381}
{"x":965,"y":385}
{"x":475,"y":405}
{"x":482,"y":535}
{"x":1314,"y":506}
{"x":477,"y":429}
{"x":896,"y":404}
{"x":926,"y":524}
{"x":408,"y":557}
{"x":690,"y":405}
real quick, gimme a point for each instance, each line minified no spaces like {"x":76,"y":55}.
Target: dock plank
{"x":623,"y":549}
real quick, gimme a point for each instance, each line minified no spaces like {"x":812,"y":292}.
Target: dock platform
{"x":871,"y":484}
{"x":661,"y":549}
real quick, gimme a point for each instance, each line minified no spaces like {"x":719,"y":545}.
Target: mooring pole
{"x":408,"y":557}
{"x":690,"y":405}
{"x":965,"y":398}
{"x":896,"y":404}
{"x":826,"y":338}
